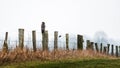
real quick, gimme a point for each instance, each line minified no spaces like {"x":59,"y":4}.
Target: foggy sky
{"x":66,"y":16}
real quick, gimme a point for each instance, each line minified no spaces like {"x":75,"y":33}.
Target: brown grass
{"x":18,"y":55}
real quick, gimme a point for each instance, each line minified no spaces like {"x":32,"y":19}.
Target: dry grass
{"x":18,"y":55}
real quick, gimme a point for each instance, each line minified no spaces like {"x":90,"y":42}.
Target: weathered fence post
{"x":96,"y":47}
{"x":46,"y":40}
{"x":92,"y":45}
{"x":116,"y":51}
{"x":108,"y":46}
{"x":67,"y":41}
{"x":112,"y":47}
{"x":34,"y":40}
{"x":119,"y":49}
{"x":5,"y":45}
{"x":43,"y":40}
{"x":88,"y":44}
{"x":80,"y":42}
{"x":105,"y":50}
{"x":21,"y":38}
{"x":101,"y":48}
{"x":55,"y":40}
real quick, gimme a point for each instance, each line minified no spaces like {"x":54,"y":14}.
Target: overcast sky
{"x":66,"y":16}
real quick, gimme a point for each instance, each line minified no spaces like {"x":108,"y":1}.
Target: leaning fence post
{"x":116,"y":51}
{"x":55,"y":40}
{"x":34,"y":40}
{"x":21,"y":38}
{"x":112,"y":47}
{"x":96,"y":46}
{"x":67,"y":41}
{"x":5,"y":45}
{"x":80,"y":42}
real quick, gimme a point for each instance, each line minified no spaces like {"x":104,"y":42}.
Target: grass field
{"x":92,"y":63}
{"x":57,"y":59}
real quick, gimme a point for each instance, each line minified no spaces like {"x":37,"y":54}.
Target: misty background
{"x":96,"y":20}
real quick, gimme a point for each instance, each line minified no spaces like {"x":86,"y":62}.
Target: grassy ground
{"x":57,"y":59}
{"x":92,"y":63}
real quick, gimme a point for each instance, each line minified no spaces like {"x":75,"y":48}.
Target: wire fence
{"x":13,"y":40}
{"x":29,"y":44}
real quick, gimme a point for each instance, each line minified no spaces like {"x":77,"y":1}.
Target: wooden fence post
{"x":92,"y":45}
{"x":46,"y":40}
{"x":116,"y":51}
{"x":80,"y":42}
{"x":67,"y":41}
{"x":55,"y":40}
{"x":43,"y":41}
{"x":34,"y":40}
{"x":96,"y":46}
{"x":105,"y":50}
{"x":5,"y":45}
{"x":101,"y":48}
{"x":119,"y":49}
{"x":112,"y":47}
{"x":108,"y":46}
{"x":88,"y":44}
{"x":21,"y":38}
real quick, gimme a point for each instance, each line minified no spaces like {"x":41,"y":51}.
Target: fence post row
{"x":45,"y":40}
{"x":21,"y":38}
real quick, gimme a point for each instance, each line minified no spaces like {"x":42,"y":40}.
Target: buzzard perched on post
{"x":43,"y":27}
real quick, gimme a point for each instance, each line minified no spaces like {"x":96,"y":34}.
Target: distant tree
{"x":101,"y":37}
